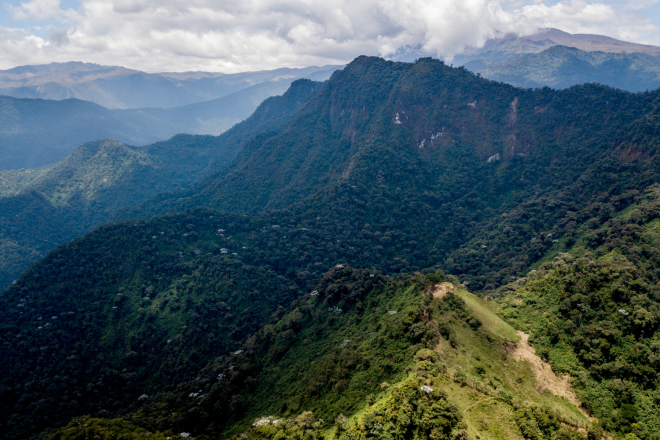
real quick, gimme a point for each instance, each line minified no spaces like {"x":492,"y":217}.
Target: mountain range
{"x":513,"y":45}
{"x":561,"y":67}
{"x":317,"y":285}
{"x":36,"y":133}
{"x":116,"y":87}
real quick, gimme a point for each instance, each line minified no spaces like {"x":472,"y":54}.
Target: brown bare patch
{"x":518,"y":300}
{"x":546,"y":379}
{"x":443,"y":289}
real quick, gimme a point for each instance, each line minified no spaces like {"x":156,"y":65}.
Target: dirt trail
{"x":442,"y":289}
{"x":545,"y":377}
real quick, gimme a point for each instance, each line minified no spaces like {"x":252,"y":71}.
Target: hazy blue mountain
{"x":560,"y":67}
{"x":36,"y":132}
{"x":116,"y":87}
{"x":512,"y":45}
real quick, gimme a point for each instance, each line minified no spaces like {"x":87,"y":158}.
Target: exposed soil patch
{"x":443,"y":289}
{"x":546,"y":379}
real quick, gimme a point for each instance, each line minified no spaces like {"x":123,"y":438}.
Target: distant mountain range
{"x":117,"y":87}
{"x":512,"y":45}
{"x":36,"y":133}
{"x":561,"y":67}
{"x":557,"y":59}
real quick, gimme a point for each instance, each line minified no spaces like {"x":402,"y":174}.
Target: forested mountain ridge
{"x":45,"y":207}
{"x":425,"y":150}
{"x":561,"y":67}
{"x":427,"y":168}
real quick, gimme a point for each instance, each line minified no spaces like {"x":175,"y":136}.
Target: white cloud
{"x":235,"y":35}
{"x":38,"y":10}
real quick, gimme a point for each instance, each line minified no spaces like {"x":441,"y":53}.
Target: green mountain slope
{"x":389,"y":168}
{"x":466,"y":188}
{"x":382,"y":358}
{"x":593,"y":312}
{"x":45,"y":207}
{"x":561,"y":67}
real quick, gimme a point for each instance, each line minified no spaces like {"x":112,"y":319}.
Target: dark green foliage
{"x":86,"y":428}
{"x":561,"y":67}
{"x":413,"y":414}
{"x":343,"y":184}
{"x":42,"y":208}
{"x":399,"y":197}
{"x":602,"y":316}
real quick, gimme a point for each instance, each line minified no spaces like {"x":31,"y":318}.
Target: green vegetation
{"x":561,"y":67}
{"x":42,"y":208}
{"x":594,"y":313}
{"x":310,"y":288}
{"x":364,"y":357}
{"x":422,"y":194}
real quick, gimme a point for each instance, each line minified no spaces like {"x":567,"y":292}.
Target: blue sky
{"x":237,"y":35}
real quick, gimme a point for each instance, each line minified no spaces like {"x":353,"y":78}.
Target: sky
{"x":241,"y":35}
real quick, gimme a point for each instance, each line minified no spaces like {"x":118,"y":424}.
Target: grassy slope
{"x":593,"y":313}
{"x":360,"y":363}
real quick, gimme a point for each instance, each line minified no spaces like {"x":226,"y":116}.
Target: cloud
{"x":39,"y":10}
{"x":236,"y":35}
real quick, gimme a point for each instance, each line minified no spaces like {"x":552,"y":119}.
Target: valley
{"x":407,"y":250}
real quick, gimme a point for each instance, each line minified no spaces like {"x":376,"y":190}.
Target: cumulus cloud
{"x":237,"y":35}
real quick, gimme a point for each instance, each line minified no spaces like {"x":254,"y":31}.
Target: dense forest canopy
{"x":42,"y":208}
{"x":321,"y":277}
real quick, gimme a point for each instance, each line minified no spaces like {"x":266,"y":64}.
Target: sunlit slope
{"x":366,"y":356}
{"x":593,"y":312}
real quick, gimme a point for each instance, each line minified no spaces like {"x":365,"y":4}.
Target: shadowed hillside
{"x":45,"y":207}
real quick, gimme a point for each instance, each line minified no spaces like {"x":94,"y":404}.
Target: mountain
{"x":37,"y":133}
{"x":44,"y":207}
{"x":329,"y":281}
{"x":561,"y":67}
{"x":455,"y":166}
{"x":116,"y":87}
{"x":512,"y":45}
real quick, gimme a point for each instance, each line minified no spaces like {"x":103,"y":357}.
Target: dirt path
{"x":442,"y":289}
{"x":545,"y":377}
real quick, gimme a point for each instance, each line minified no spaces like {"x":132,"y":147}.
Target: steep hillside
{"x":593,"y":312}
{"x":382,"y":358}
{"x":198,"y":323}
{"x":411,"y":166}
{"x":45,"y":207}
{"x":560,"y":67}
{"x":117,"y":87}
